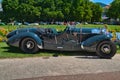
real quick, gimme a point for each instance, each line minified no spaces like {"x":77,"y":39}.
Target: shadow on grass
{"x":82,"y":54}
{"x":12,"y":50}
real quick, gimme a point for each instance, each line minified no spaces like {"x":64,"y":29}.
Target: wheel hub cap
{"x":106,"y":49}
{"x":30,"y":44}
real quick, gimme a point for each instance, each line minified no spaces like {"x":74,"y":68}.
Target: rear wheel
{"x":29,"y":45}
{"x":106,"y":49}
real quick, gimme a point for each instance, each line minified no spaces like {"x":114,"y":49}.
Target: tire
{"x":106,"y":49}
{"x":29,"y":45}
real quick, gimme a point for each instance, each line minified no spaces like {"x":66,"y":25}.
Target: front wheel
{"x":29,"y":45}
{"x":106,"y":49}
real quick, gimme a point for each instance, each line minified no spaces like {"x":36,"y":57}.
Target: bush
{"x":1,"y":38}
{"x":3,"y":33}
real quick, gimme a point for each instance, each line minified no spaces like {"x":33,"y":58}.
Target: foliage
{"x":3,"y":33}
{"x":96,"y":12}
{"x":28,"y":12}
{"x":50,"y":10}
{"x":114,"y":11}
{"x":20,"y":10}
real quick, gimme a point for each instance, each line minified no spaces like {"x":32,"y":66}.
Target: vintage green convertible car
{"x":30,"y":40}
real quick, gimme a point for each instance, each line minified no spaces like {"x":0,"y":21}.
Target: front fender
{"x":94,"y":40}
{"x":91,"y":43}
{"x":15,"y":40}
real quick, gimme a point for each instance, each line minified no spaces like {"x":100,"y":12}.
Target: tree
{"x":66,"y":9}
{"x":50,"y":10}
{"x":28,"y":13}
{"x":114,"y":11}
{"x":96,"y":12}
{"x":48,"y":7}
{"x":20,"y":10}
{"x":58,"y":9}
{"x":81,"y":10}
{"x":10,"y":10}
{"x":87,"y":11}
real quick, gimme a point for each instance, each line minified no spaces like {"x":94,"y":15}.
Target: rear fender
{"x":16,"y":39}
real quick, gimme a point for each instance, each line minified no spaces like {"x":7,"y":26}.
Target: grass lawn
{"x":12,"y":52}
{"x":62,"y":27}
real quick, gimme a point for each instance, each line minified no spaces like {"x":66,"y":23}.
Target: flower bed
{"x":3,"y":33}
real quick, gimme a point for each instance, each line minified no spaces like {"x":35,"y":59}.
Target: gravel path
{"x":90,"y":76}
{"x":56,"y":66}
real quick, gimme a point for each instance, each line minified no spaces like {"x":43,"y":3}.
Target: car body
{"x":30,"y":40}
